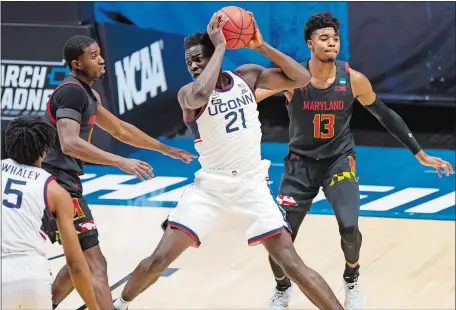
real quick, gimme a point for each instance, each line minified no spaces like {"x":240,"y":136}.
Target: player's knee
{"x":288,"y":259}
{"x":290,"y":267}
{"x":99,"y":269}
{"x":156,"y":263}
{"x":349,"y":233}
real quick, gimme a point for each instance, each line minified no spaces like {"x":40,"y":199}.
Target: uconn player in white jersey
{"x":29,"y":196}
{"x":220,"y":109}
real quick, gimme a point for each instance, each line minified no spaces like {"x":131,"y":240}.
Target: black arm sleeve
{"x":394,"y":124}
{"x":71,"y":102}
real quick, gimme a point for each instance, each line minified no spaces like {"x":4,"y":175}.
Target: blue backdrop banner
{"x":406,"y":58}
{"x":280,"y":23}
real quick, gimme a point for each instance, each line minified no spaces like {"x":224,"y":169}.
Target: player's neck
{"x":321,"y":70}
{"x":82,"y":78}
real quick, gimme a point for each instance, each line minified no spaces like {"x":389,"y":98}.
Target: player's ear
{"x":309,"y":44}
{"x":76,"y":64}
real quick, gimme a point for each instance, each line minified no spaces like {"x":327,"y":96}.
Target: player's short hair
{"x":200,"y":38}
{"x":27,"y":138}
{"x":319,"y":21}
{"x":74,"y":48}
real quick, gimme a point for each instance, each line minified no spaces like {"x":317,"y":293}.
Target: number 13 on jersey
{"x":324,"y":126}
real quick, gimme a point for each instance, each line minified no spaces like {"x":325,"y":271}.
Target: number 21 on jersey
{"x":324,"y":126}
{"x":232,"y":118}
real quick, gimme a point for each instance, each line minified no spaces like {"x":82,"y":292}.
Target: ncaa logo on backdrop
{"x":28,"y":84}
{"x":140,"y":76}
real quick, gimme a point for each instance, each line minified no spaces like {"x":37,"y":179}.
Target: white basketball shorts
{"x":245,"y":193}
{"x":26,"y":282}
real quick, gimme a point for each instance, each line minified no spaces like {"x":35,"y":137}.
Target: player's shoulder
{"x":249,"y":73}
{"x":69,"y":89}
{"x":249,"y":68}
{"x":97,"y":95}
{"x":43,"y":175}
{"x":359,"y":82}
{"x":356,"y":76}
{"x":348,"y":69}
{"x":182,"y":92}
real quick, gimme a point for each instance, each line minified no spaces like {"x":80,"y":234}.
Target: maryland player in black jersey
{"x":321,"y":149}
{"x":75,"y":108}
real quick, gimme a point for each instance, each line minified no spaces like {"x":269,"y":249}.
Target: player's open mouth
{"x":102,"y":70}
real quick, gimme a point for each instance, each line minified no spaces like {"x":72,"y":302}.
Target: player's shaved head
{"x":200,"y":38}
{"x":74,"y":48}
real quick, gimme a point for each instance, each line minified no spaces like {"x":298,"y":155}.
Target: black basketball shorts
{"x":303,"y":177}
{"x":84,"y":223}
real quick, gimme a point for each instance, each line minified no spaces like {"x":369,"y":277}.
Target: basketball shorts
{"x":303,"y":177}
{"x":246,"y":194}
{"x":26,"y":282}
{"x":83,"y":219}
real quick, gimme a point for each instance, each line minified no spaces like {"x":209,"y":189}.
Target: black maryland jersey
{"x":320,"y":118}
{"x":72,"y":99}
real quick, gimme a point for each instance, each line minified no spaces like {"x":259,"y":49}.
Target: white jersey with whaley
{"x":24,"y":191}
{"x":227,"y":129}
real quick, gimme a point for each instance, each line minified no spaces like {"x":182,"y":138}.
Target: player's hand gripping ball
{"x":240,"y":27}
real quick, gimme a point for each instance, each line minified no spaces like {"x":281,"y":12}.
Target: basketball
{"x":239,"y":29}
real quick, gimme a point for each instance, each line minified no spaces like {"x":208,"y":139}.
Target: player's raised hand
{"x":438,"y":163}
{"x":182,"y":155}
{"x":137,"y":167}
{"x":257,"y":38}
{"x":214,"y":29}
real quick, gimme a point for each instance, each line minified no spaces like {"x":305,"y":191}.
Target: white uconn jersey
{"x":23,"y":205}
{"x":227,"y":129}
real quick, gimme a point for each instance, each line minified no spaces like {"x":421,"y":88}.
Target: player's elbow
{"x":121,"y":131}
{"x":68,"y":145}
{"x":302,"y":79}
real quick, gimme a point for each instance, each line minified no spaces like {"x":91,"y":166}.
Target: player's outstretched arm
{"x":362,"y":90}
{"x":131,"y":135}
{"x":71,"y":102}
{"x":60,"y":204}
{"x":261,"y":94}
{"x":73,"y":145}
{"x":197,"y":94}
{"x":289,"y":75}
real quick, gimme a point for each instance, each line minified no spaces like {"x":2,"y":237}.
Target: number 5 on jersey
{"x":11,"y":192}
{"x":327,"y":120}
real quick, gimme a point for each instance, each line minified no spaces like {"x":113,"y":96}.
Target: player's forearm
{"x":206,"y":81}
{"x":394,"y":124}
{"x":82,"y":280}
{"x":290,"y":67}
{"x":83,"y":150}
{"x":131,"y":135}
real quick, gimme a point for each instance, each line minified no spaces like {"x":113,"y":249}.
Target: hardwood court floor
{"x":405,"y":264}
